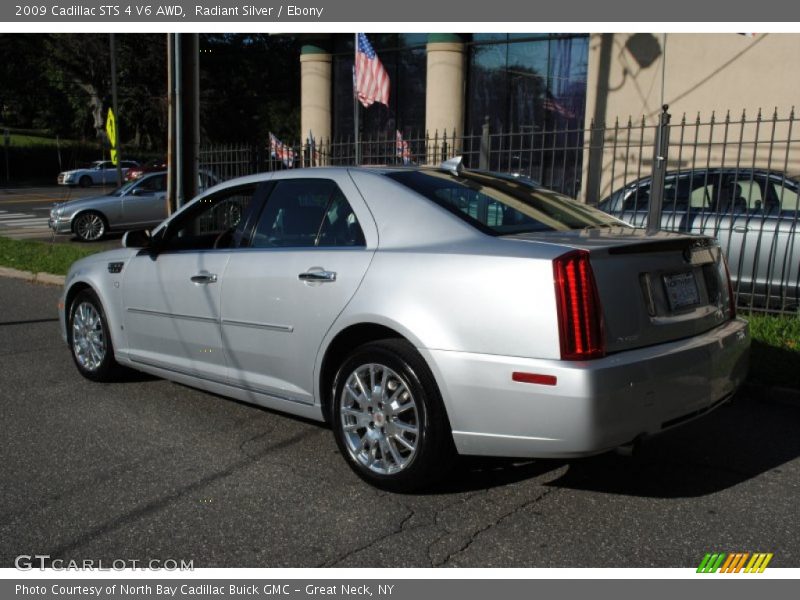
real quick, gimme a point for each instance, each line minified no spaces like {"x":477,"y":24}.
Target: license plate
{"x":681,"y":290}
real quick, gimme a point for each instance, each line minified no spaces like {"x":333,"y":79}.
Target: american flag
{"x":402,"y":148}
{"x":281,"y":151}
{"x":372,"y":80}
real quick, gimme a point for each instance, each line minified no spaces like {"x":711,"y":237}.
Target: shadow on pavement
{"x":733,"y":444}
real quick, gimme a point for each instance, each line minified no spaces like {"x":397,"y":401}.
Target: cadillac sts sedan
{"x":421,"y":312}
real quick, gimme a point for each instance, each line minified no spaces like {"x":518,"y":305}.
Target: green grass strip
{"x":775,"y":354}
{"x":41,"y":257}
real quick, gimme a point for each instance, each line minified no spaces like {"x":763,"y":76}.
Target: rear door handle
{"x":204,"y":278}
{"x":317,"y":276}
{"x":741,"y":229}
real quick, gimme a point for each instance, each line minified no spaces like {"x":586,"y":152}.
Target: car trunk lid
{"x":651,"y":288}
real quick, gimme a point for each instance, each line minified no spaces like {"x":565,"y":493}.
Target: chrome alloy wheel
{"x":88,"y":337}
{"x":380,"y":419}
{"x":90,"y":227}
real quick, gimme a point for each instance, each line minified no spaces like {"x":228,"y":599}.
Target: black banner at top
{"x":338,"y":11}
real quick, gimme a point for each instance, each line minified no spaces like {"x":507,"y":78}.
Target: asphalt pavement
{"x":148,"y":469}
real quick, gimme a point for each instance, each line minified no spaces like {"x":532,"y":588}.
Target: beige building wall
{"x":444,"y":98}
{"x":315,"y":97}
{"x":703,"y":73}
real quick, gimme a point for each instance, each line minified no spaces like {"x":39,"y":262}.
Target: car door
{"x":171,"y":297}
{"x":145,"y":203}
{"x":308,"y":253}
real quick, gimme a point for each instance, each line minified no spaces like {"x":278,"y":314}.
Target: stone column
{"x":444,"y":98}
{"x":315,"y":91}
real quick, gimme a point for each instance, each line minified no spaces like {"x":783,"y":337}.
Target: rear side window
{"x":307,"y":213}
{"x":499,"y":206}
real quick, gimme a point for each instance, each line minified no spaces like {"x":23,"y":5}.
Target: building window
{"x":524,"y":82}
{"x":532,"y":90}
{"x":403,"y":56}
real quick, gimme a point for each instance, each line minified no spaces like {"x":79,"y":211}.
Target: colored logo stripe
{"x":734,"y":562}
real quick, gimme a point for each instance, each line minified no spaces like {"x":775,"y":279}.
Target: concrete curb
{"x":44,"y":278}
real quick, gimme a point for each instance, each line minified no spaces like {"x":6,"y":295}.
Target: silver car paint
{"x":457,"y":295}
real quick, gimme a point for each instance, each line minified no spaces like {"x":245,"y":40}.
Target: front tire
{"x":388,"y":417}
{"x":85,"y":181}
{"x":89,"y":339}
{"x":90,"y":226}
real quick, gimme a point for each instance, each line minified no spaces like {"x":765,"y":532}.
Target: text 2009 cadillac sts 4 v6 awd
{"x":422,"y":312}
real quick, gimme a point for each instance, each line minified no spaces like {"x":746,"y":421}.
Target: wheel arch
{"x":344,"y":342}
{"x":75,"y":289}
{"x":106,"y":302}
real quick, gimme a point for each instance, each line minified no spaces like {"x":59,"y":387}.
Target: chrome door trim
{"x":158,"y":313}
{"x":253,"y":325}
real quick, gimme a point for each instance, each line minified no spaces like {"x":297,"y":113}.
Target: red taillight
{"x":580,"y":317}
{"x":731,"y":296}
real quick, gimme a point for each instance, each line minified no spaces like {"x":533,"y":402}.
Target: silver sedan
{"x":421,"y":312}
{"x":140,"y":203}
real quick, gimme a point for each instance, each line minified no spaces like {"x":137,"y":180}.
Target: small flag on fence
{"x":371,"y":79}
{"x":281,"y":151}
{"x":402,"y":149}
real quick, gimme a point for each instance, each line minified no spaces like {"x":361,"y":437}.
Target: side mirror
{"x":137,"y":238}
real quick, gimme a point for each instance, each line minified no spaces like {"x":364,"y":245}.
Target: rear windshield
{"x":501,"y":206}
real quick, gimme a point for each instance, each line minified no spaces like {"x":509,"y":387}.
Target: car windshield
{"x":503,"y":206}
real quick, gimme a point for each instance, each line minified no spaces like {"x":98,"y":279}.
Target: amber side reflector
{"x":533,"y":378}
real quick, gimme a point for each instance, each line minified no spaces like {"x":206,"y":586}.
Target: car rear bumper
{"x":595,"y":405}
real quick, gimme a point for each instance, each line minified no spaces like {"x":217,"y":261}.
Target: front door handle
{"x":204,"y":278}
{"x":741,"y":229}
{"x":317,"y":276}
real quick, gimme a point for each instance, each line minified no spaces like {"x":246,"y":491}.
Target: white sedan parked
{"x":421,"y":312}
{"x":100,"y":172}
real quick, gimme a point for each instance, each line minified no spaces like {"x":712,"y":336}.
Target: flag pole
{"x":355,"y":99}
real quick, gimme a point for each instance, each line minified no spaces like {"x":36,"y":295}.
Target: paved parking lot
{"x":149,"y":469}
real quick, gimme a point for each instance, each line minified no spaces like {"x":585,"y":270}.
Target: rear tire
{"x":388,"y":417}
{"x":89,"y":338}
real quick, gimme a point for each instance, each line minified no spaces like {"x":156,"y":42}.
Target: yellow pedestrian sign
{"x":111,"y":131}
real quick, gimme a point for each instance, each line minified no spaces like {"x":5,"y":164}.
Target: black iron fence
{"x":735,"y":177}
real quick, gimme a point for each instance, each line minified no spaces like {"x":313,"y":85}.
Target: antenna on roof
{"x":453,"y":165}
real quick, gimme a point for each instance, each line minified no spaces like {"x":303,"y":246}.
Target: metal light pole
{"x":184,"y":116}
{"x":115,"y":143}
{"x":660,"y":154}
